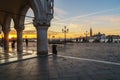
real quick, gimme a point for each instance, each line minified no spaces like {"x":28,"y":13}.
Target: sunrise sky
{"x":79,"y":15}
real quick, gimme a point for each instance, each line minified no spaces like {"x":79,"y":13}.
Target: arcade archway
{"x":43,"y":10}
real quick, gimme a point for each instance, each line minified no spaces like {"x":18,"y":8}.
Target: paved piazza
{"x":78,"y":61}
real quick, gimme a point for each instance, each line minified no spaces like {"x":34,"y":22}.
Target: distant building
{"x":99,"y":37}
{"x":113,"y":38}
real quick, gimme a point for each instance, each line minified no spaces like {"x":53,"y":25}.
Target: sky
{"x":81,"y":15}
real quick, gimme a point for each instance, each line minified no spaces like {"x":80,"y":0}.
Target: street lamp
{"x":86,"y":34}
{"x":65,"y":30}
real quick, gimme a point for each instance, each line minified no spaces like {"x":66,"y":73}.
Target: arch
{"x":12,"y":31}
{"x":29,"y":24}
{"x":23,"y":10}
{"x":36,"y":6}
{"x":42,"y":10}
{"x":19,"y":25}
{"x":19,"y":19}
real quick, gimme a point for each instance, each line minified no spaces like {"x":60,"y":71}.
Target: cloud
{"x":109,"y":18}
{"x":90,"y":14}
{"x":100,"y":23}
{"x":108,"y":23}
{"x":58,"y":16}
{"x":59,"y":11}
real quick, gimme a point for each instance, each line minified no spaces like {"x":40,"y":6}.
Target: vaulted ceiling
{"x":10,"y":7}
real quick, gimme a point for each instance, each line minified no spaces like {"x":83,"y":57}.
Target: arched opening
{"x":12,"y":36}
{"x":12,"y":30}
{"x":29,"y":33}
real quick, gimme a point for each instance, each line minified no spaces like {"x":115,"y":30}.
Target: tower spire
{"x":90,"y":32}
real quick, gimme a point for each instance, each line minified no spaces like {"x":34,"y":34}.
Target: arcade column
{"x":42,"y":40}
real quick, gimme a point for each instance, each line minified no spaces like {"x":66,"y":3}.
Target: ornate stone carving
{"x":41,"y":22}
{"x":6,"y":30}
{"x":50,"y":6}
{"x":45,"y":12}
{"x":19,"y":28}
{"x":50,"y":9}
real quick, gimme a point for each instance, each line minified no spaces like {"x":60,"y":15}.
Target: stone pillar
{"x":6,"y":41}
{"x":42,"y":40}
{"x":43,"y":16}
{"x":19,"y":40}
{"x":6,"y":38}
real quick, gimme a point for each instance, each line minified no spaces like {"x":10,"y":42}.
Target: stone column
{"x":6,"y":38}
{"x":19,"y":40}
{"x":6,"y":41}
{"x":42,"y":40}
{"x":43,"y":16}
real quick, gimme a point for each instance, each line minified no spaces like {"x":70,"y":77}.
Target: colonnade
{"x":43,"y":11}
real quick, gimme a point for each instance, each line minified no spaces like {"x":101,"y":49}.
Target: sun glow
{"x":11,"y":36}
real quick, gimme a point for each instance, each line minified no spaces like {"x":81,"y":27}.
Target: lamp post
{"x":65,"y":30}
{"x":86,"y":34}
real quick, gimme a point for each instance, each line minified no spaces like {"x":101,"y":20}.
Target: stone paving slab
{"x":59,"y":68}
{"x":80,"y":61}
{"x":98,"y":51}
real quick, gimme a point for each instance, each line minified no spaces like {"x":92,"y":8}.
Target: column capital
{"x":19,"y":28}
{"x":6,"y":30}
{"x":41,"y":22}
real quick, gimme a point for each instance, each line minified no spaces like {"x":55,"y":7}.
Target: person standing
{"x":13,"y":44}
{"x":54,"y":49}
{"x":26,"y":41}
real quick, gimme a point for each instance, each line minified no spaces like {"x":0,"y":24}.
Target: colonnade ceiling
{"x":11,"y":8}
